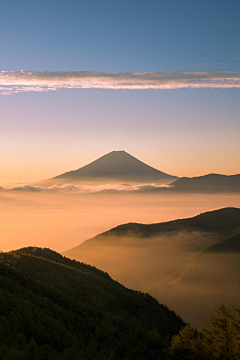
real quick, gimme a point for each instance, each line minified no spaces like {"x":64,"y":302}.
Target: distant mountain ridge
{"x":117,"y":165}
{"x":210,"y":183}
{"x":222,"y":221}
{"x":122,"y":168}
{"x":162,"y":257}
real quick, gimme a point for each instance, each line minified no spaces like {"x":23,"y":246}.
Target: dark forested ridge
{"x":52,"y":307}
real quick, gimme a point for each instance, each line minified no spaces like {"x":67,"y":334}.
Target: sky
{"x":158,"y":79}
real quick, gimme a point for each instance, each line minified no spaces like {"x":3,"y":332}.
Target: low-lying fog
{"x":139,"y":263}
{"x":61,"y":221}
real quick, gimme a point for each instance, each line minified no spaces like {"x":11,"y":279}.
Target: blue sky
{"x":182,"y":132}
{"x":120,"y":35}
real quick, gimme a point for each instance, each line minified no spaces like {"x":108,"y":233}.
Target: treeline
{"x":54,"y":308}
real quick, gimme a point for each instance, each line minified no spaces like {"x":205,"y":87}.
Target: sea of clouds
{"x":70,"y":188}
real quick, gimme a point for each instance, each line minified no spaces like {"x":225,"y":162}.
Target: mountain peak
{"x":118,"y":165}
{"x":118,"y":151}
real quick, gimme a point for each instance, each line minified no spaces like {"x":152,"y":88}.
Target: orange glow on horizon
{"x":62,"y":221}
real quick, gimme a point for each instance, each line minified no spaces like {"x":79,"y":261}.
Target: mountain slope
{"x":221,"y":221}
{"x":208,"y":278}
{"x":118,"y":165}
{"x":210,"y":183}
{"x":154,"y":254}
{"x":51,"y":305}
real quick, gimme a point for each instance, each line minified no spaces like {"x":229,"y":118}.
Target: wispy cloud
{"x":108,"y":188}
{"x":24,"y":81}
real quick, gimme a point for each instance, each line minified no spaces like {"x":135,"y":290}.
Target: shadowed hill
{"x":231,"y":245}
{"x":211,"y":183}
{"x":212,"y":255}
{"x":222,"y":221}
{"x":155,"y":254}
{"x":53,"y":306}
{"x":117,"y":165}
{"x":210,"y":276}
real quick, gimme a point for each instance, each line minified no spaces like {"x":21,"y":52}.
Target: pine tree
{"x":187,"y":344}
{"x":218,"y":341}
{"x":221,"y":340}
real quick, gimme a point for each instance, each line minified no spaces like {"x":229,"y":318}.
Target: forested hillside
{"x":54,"y":308}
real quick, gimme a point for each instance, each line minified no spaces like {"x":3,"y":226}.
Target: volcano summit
{"x":117,"y":166}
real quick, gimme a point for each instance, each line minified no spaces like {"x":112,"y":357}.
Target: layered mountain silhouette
{"x":53,"y":307}
{"x":220,"y":222}
{"x":156,"y":254}
{"x":120,"y":166}
{"x":211,"y":183}
{"x":117,"y":165}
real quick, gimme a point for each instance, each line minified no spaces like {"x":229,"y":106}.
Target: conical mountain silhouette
{"x":118,"y":165}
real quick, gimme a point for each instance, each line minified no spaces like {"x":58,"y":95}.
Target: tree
{"x":218,"y":341}
{"x":221,"y":339}
{"x":187,"y":344}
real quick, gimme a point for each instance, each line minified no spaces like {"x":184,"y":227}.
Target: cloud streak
{"x":108,"y":188}
{"x":24,"y":81}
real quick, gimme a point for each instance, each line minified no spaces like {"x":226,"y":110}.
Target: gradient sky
{"x":184,"y":132}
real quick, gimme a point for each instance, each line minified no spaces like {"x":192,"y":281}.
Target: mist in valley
{"x":174,"y":268}
{"x":139,"y":263}
{"x":165,"y":266}
{"x":153,"y":265}
{"x":63,"y":220}
{"x":198,"y":288}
